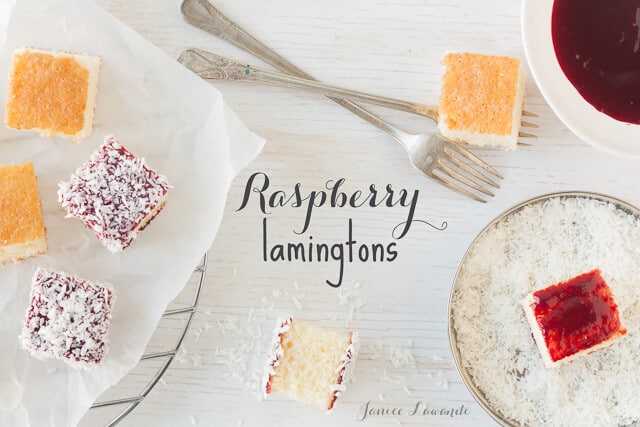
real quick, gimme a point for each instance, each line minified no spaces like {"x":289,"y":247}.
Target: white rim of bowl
{"x":590,"y":125}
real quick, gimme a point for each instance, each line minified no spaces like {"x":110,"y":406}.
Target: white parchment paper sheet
{"x":158,"y":110}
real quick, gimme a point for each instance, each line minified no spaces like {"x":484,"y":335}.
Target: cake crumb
{"x":395,"y":379}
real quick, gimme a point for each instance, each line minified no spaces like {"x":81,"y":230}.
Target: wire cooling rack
{"x":124,"y":405}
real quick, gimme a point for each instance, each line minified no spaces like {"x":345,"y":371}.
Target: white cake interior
{"x":17,"y":252}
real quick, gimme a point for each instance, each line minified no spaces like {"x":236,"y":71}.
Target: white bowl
{"x":590,"y":125}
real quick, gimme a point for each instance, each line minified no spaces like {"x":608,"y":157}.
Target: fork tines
{"x":459,"y":176}
{"x":528,"y":125}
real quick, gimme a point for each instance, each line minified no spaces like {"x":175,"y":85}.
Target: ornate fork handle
{"x":204,"y":15}
{"x":211,"y":66}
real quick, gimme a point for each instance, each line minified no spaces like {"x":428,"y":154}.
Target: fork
{"x":436,"y":158}
{"x":216,"y":67}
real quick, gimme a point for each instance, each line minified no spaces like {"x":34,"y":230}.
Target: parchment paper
{"x":158,"y":110}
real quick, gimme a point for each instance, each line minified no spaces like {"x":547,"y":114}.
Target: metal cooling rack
{"x":128,"y":404}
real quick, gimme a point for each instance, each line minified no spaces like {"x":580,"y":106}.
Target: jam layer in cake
{"x":574,"y":316}
{"x":68,"y":319}
{"x":115,"y":194}
{"x":22,"y":232}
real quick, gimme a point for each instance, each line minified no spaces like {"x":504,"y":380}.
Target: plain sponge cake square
{"x":52,"y":93}
{"x":309,"y":363}
{"x":22,"y":231}
{"x":481,"y":99}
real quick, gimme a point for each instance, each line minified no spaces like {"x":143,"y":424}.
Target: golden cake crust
{"x":479,"y":92}
{"x":47,"y":92}
{"x":20,"y":211}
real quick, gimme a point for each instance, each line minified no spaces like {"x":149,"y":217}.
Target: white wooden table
{"x":390,"y":48}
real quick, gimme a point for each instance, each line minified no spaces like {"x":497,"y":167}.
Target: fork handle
{"x":221,"y":68}
{"x":205,"y":16}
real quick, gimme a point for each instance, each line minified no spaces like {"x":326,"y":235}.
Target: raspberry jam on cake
{"x":574,"y":316}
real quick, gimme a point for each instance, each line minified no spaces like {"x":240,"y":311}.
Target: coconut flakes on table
{"x":540,"y":245}
{"x":401,"y":356}
{"x":350,"y":297}
{"x":297,"y":303}
{"x":391,"y":378}
{"x":229,"y":323}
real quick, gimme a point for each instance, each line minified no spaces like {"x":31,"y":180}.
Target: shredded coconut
{"x":346,"y":368}
{"x":228,"y":323}
{"x":536,"y":246}
{"x":395,"y":379}
{"x":297,"y":303}
{"x":401,"y":356}
{"x":350,"y":297}
{"x":68,"y":319}
{"x":337,"y":387}
{"x":115,"y":194}
{"x":284,"y":324}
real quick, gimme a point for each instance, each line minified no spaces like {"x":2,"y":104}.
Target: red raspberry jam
{"x":597,"y":43}
{"x":576,"y":314}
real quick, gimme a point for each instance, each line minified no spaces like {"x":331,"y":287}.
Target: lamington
{"x":309,"y":364}
{"x":573,"y":317}
{"x":22,"y":230}
{"x":68,"y":319}
{"x":115,"y":194}
{"x":52,"y":93}
{"x":481,"y":99}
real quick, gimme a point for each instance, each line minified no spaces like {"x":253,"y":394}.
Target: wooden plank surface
{"x":399,"y":307}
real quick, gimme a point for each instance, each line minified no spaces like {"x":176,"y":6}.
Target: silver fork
{"x":208,"y":65}
{"x":221,"y":68}
{"x":437,"y":159}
